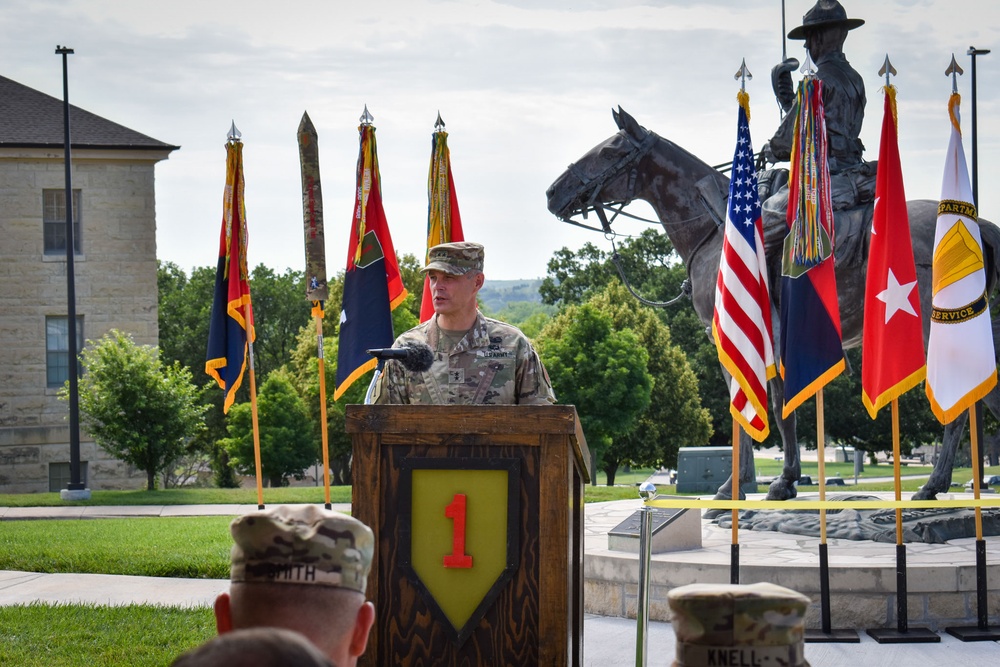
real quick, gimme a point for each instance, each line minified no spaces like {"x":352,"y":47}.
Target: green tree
{"x":653,"y":268}
{"x":287,"y":447}
{"x":656,"y":272}
{"x":675,"y":417}
{"x":137,"y":408}
{"x":185,"y":307}
{"x":304,"y":366}
{"x":599,"y":370}
{"x":280,"y":309}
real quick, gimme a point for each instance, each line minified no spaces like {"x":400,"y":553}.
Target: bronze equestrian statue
{"x":689,"y":198}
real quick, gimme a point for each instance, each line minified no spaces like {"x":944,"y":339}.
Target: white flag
{"x":960,"y":363}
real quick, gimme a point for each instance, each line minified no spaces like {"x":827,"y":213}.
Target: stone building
{"x":114,"y":268}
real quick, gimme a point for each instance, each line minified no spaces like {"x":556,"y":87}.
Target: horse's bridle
{"x":594,"y":186}
{"x":591,"y":188}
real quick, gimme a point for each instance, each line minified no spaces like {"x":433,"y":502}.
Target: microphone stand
{"x":371,"y":386}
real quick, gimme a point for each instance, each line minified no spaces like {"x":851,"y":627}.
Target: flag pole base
{"x":826,"y":634}
{"x":974,"y":633}
{"x":845,"y":636}
{"x":908,"y":636}
{"x":903,"y":633}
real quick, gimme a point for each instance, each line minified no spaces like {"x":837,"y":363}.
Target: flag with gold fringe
{"x":444,"y":222}
{"x":373,"y":286}
{"x":231,"y":323}
{"x":741,"y":323}
{"x":961,"y":367}
{"x":811,"y":351}
{"x":893,"y":340}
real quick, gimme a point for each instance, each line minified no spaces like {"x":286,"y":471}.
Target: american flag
{"x":741,"y":324}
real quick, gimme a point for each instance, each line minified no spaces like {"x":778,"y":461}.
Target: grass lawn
{"x":71,"y":635}
{"x":185,"y":496}
{"x":191,"y":547}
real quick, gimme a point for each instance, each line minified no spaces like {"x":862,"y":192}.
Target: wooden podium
{"x":478,"y":520}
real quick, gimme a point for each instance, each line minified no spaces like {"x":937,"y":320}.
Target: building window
{"x":54,"y":221}
{"x":57,"y":349}
{"x":59,"y":477}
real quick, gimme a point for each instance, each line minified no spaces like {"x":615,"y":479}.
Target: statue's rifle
{"x":784,"y":37}
{"x":784,"y":52}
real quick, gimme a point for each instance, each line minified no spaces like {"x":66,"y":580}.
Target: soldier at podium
{"x":476,"y":360}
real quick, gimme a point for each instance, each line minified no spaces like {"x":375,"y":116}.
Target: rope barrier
{"x":697,"y":503}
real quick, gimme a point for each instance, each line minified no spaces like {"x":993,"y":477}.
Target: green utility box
{"x":705,"y":469}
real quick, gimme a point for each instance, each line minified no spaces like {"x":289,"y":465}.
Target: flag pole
{"x":317,"y":312}
{"x":734,"y":557}
{"x":801,"y":256}
{"x":826,"y":633}
{"x":903,"y":634}
{"x":824,"y":563}
{"x":234,"y":135}
{"x":982,"y":631}
{"x":256,"y":429}
{"x":888,"y":250}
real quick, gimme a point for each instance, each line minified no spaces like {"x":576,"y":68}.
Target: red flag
{"x":231,"y":321}
{"x":373,"y":286}
{"x":893,"y":342}
{"x":444,"y":223}
{"x":741,"y":324}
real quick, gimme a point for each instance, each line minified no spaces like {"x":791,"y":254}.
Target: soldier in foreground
{"x":255,"y":647}
{"x":304,"y":569}
{"x":477,"y":360}
{"x":729,"y":624}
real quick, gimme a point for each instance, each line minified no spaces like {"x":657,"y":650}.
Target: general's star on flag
{"x":893,"y":347}
{"x":896,"y":297}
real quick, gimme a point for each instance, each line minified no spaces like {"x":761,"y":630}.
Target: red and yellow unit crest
{"x":461,"y":547}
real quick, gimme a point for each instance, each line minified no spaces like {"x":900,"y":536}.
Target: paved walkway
{"x":608,"y":641}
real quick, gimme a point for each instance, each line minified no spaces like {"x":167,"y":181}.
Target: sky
{"x":525,"y":87}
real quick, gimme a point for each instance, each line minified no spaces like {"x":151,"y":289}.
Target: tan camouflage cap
{"x":455,"y":258}
{"x":729,"y":624}
{"x":303,"y":544}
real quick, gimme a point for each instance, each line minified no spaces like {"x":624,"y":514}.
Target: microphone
{"x":415,"y":357}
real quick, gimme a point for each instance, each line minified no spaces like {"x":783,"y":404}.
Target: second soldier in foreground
{"x":477,"y":360}
{"x":305,"y":569}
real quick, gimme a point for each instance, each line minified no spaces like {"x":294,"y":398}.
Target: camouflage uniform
{"x":494,"y":364}
{"x":728,"y":624}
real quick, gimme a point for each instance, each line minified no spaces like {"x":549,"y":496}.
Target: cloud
{"x":525,"y":88}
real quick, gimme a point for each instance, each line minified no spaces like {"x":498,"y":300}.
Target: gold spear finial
{"x":743,"y":75}
{"x":887,"y":70}
{"x":954,"y":70}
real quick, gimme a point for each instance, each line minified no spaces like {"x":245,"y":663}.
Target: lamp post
{"x":76,"y":489}
{"x":973,"y":52}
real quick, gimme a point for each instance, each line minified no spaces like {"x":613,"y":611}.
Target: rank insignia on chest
{"x":456,"y":376}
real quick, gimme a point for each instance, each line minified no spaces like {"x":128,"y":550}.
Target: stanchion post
{"x":647,"y":491}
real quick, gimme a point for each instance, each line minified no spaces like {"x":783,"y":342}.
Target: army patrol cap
{"x":729,"y":624}
{"x":825,"y":14}
{"x":305,"y":545}
{"x":455,"y":258}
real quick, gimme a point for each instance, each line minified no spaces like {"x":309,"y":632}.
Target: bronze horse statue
{"x":689,"y":198}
